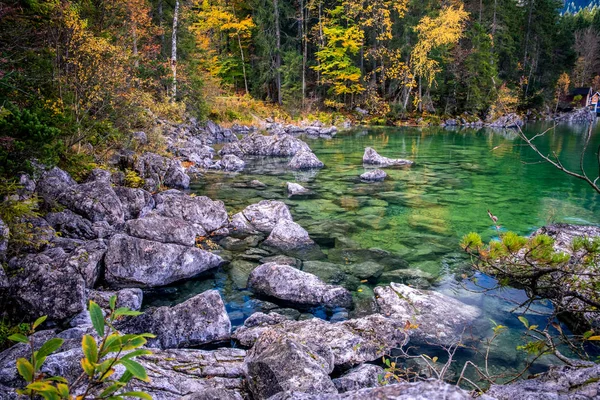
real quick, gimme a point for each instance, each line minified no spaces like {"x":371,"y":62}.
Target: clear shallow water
{"x":418,"y":214}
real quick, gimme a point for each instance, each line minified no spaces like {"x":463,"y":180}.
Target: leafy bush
{"x":101,"y":356}
{"x":8,"y":329}
{"x":133,"y":179}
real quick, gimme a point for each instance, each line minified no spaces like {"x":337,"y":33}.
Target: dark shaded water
{"x":418,"y":214}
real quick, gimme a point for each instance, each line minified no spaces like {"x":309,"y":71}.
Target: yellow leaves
{"x":445,"y":29}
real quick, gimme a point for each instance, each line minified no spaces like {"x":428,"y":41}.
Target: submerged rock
{"x":288,"y":235}
{"x":439,"y":318}
{"x":294,"y":189}
{"x":138,"y":262}
{"x":199,"y":320}
{"x":376,"y":175}
{"x":371,"y":157}
{"x":278,"y":363}
{"x":305,"y":159}
{"x":290,"y":284}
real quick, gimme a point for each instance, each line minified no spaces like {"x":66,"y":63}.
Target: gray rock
{"x":27,"y":187}
{"x":136,"y":202}
{"x":560,"y":383}
{"x":164,"y":230}
{"x":233,"y":244}
{"x":199,"y":320}
{"x":577,"y":116}
{"x":139,"y":137}
{"x":279,"y":145}
{"x":157,"y":170}
{"x":282,"y":259}
{"x":305,"y":159}
{"x":99,"y":175}
{"x":288,"y":235}
{"x":294,"y":189}
{"x":175,"y":373}
{"x":45,"y":284}
{"x":240,"y":226}
{"x":175,"y":176}
{"x":198,"y":210}
{"x":3,"y":280}
{"x":364,"y":270}
{"x":4,"y":235}
{"x":53,"y":183}
{"x":511,"y":120}
{"x":371,"y":157}
{"x":96,"y":201}
{"x":230,"y":163}
{"x":440,"y":318}
{"x":363,"y":376}
{"x":289,"y":284}
{"x":264,"y":215}
{"x":278,"y":363}
{"x":138,"y":262}
{"x":130,"y":298}
{"x":376,"y":175}
{"x":86,"y":260}
{"x":330,"y":273}
{"x":423,"y":390}
{"x":71,"y":225}
{"x":352,"y":342}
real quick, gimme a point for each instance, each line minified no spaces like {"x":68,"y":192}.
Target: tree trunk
{"x":277,"y":51}
{"x":160,"y":25}
{"x":304,"y":49}
{"x":174,"y":51}
{"x":243,"y":63}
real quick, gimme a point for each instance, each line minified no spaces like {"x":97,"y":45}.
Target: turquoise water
{"x":419,"y":214}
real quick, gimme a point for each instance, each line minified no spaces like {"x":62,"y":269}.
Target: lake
{"x":418,"y":214}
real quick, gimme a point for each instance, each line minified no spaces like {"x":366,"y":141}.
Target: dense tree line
{"x":85,"y":71}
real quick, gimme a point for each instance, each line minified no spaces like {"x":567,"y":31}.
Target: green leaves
{"x":90,"y":348}
{"x":97,"y":318}
{"x":49,"y":347}
{"x":25,"y":369}
{"x":524,"y":321}
{"x":136,"y":369}
{"x":39,"y":321}
{"x":18,"y":337}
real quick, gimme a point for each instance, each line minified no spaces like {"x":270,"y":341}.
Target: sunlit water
{"x":418,"y":214}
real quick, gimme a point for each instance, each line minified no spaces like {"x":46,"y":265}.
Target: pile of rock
{"x":577,"y":116}
{"x":510,"y":120}
{"x":314,"y":129}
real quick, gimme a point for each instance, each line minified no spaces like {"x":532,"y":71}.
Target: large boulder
{"x":199,"y":320}
{"x":264,"y":215}
{"x":292,"y":285}
{"x":230,"y":163}
{"x":71,"y":225}
{"x":438,"y":317}
{"x":278,"y":363}
{"x":45,"y":284}
{"x":53,"y":183}
{"x":510,"y":120}
{"x":305,"y":159}
{"x":259,"y":145}
{"x":157,"y":170}
{"x":352,"y":342}
{"x":200,"y":211}
{"x":560,"y":383}
{"x":138,"y":262}
{"x":288,"y":235}
{"x":87,"y":260}
{"x":375,"y":175}
{"x":363,"y":376}
{"x":163,"y":229}
{"x":128,"y":297}
{"x":136,"y":202}
{"x":371,"y":157}
{"x":96,"y":201}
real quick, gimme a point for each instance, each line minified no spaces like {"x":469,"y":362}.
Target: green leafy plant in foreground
{"x":101,"y":355}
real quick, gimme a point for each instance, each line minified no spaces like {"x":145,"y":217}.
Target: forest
{"x":76,"y":73}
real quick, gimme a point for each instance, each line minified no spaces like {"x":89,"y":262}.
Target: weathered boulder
{"x":71,"y":225}
{"x":422,"y":390}
{"x":136,"y":202}
{"x":198,"y":210}
{"x":294,"y":189}
{"x":510,"y":120}
{"x":53,"y":183}
{"x":163,"y":229}
{"x":331,"y":273}
{"x":196,"y":374}
{"x":157,"y":170}
{"x":86,"y":260}
{"x":96,"y":201}
{"x":560,"y":383}
{"x":44,"y":284}
{"x":230,"y":163}
{"x":288,"y":235}
{"x":371,"y":157}
{"x":255,"y":144}
{"x":4,"y":234}
{"x":129,"y":297}
{"x":138,"y":262}
{"x":363,"y":376}
{"x":278,"y":363}
{"x":352,"y":342}
{"x":199,"y":320}
{"x":99,"y":175}
{"x":264,"y":215}
{"x":305,"y":159}
{"x":376,"y":175}
{"x":292,"y":285}
{"x":216,"y":134}
{"x":440,"y":318}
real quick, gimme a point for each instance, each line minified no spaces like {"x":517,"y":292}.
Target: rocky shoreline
{"x":103,"y":238}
